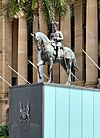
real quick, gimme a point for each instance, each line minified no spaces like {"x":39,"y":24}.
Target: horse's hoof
{"x":67,"y":83}
{"x":49,"y":81}
{"x":40,"y":77}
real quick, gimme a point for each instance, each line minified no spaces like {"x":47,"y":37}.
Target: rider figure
{"x":57,"y":37}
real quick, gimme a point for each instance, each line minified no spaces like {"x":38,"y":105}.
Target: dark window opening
{"x":14,"y":81}
{"x":84,"y":39}
{"x":30,"y":51}
{"x":72,"y":35}
{"x":72,"y":28}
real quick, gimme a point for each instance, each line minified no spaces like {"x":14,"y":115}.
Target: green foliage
{"x":12,"y":8}
{"x":48,"y":9}
{"x":15,"y":6}
{"x":4,"y":137}
{"x":34,"y":2}
{"x":51,"y":8}
{"x":3,"y":130}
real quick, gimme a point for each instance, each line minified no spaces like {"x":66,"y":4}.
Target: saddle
{"x":55,"y":53}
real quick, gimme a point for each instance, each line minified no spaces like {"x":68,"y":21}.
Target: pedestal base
{"x":91,"y":84}
{"x":49,"y":110}
{"x":78,"y":83}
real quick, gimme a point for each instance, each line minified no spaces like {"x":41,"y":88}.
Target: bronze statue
{"x":67,"y":56}
{"x":56,"y":38}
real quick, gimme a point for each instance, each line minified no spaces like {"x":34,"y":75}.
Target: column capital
{"x":8,"y":19}
{"x":20,"y":14}
{"x":78,"y":4}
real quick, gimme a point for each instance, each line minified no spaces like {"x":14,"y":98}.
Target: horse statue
{"x":48,"y":54}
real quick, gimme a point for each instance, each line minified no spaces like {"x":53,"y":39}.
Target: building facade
{"x":80,"y":28}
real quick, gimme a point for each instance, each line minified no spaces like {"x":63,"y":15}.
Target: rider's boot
{"x":58,"y":57}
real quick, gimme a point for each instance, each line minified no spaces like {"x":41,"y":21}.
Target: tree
{"x":51,"y":8}
{"x":14,"y":6}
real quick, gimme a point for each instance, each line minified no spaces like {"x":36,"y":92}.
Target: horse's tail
{"x":75,"y":66}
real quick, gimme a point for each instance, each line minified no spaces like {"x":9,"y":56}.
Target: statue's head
{"x":54,"y":25}
{"x":37,"y":39}
{"x":33,"y":35}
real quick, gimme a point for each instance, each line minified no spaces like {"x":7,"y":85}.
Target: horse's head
{"x":37,"y":40}
{"x":40,"y":39}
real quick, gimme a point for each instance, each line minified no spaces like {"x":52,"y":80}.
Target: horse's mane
{"x":43,"y":37}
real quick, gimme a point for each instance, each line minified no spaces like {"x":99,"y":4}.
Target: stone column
{"x":7,"y":52}
{"x":43,"y":28}
{"x":39,"y":24}
{"x":66,"y":30}
{"x":91,"y":43}
{"x":35,"y":52}
{"x":22,"y":48}
{"x":1,"y":69}
{"x":6,"y":60}
{"x":78,"y":11}
{"x":1,"y":37}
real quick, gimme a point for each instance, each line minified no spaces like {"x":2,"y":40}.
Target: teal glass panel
{"x":62,"y":112}
{"x":96,"y":115}
{"x":75,"y":113}
{"x":71,"y":112}
{"x":49,"y":112}
{"x":87,"y":118}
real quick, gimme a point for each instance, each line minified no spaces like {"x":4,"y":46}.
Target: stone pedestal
{"x":54,"y":111}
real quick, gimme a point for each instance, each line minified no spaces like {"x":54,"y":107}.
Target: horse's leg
{"x":50,"y":69}
{"x":67,"y":67}
{"x":38,"y":65}
{"x":69,"y":72}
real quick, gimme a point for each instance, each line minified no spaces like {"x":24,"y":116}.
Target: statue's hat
{"x":54,"y":23}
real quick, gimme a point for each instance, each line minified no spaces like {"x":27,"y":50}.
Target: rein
{"x":45,"y":46}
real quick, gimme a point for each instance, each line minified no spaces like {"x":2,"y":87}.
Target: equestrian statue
{"x":52,"y":51}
